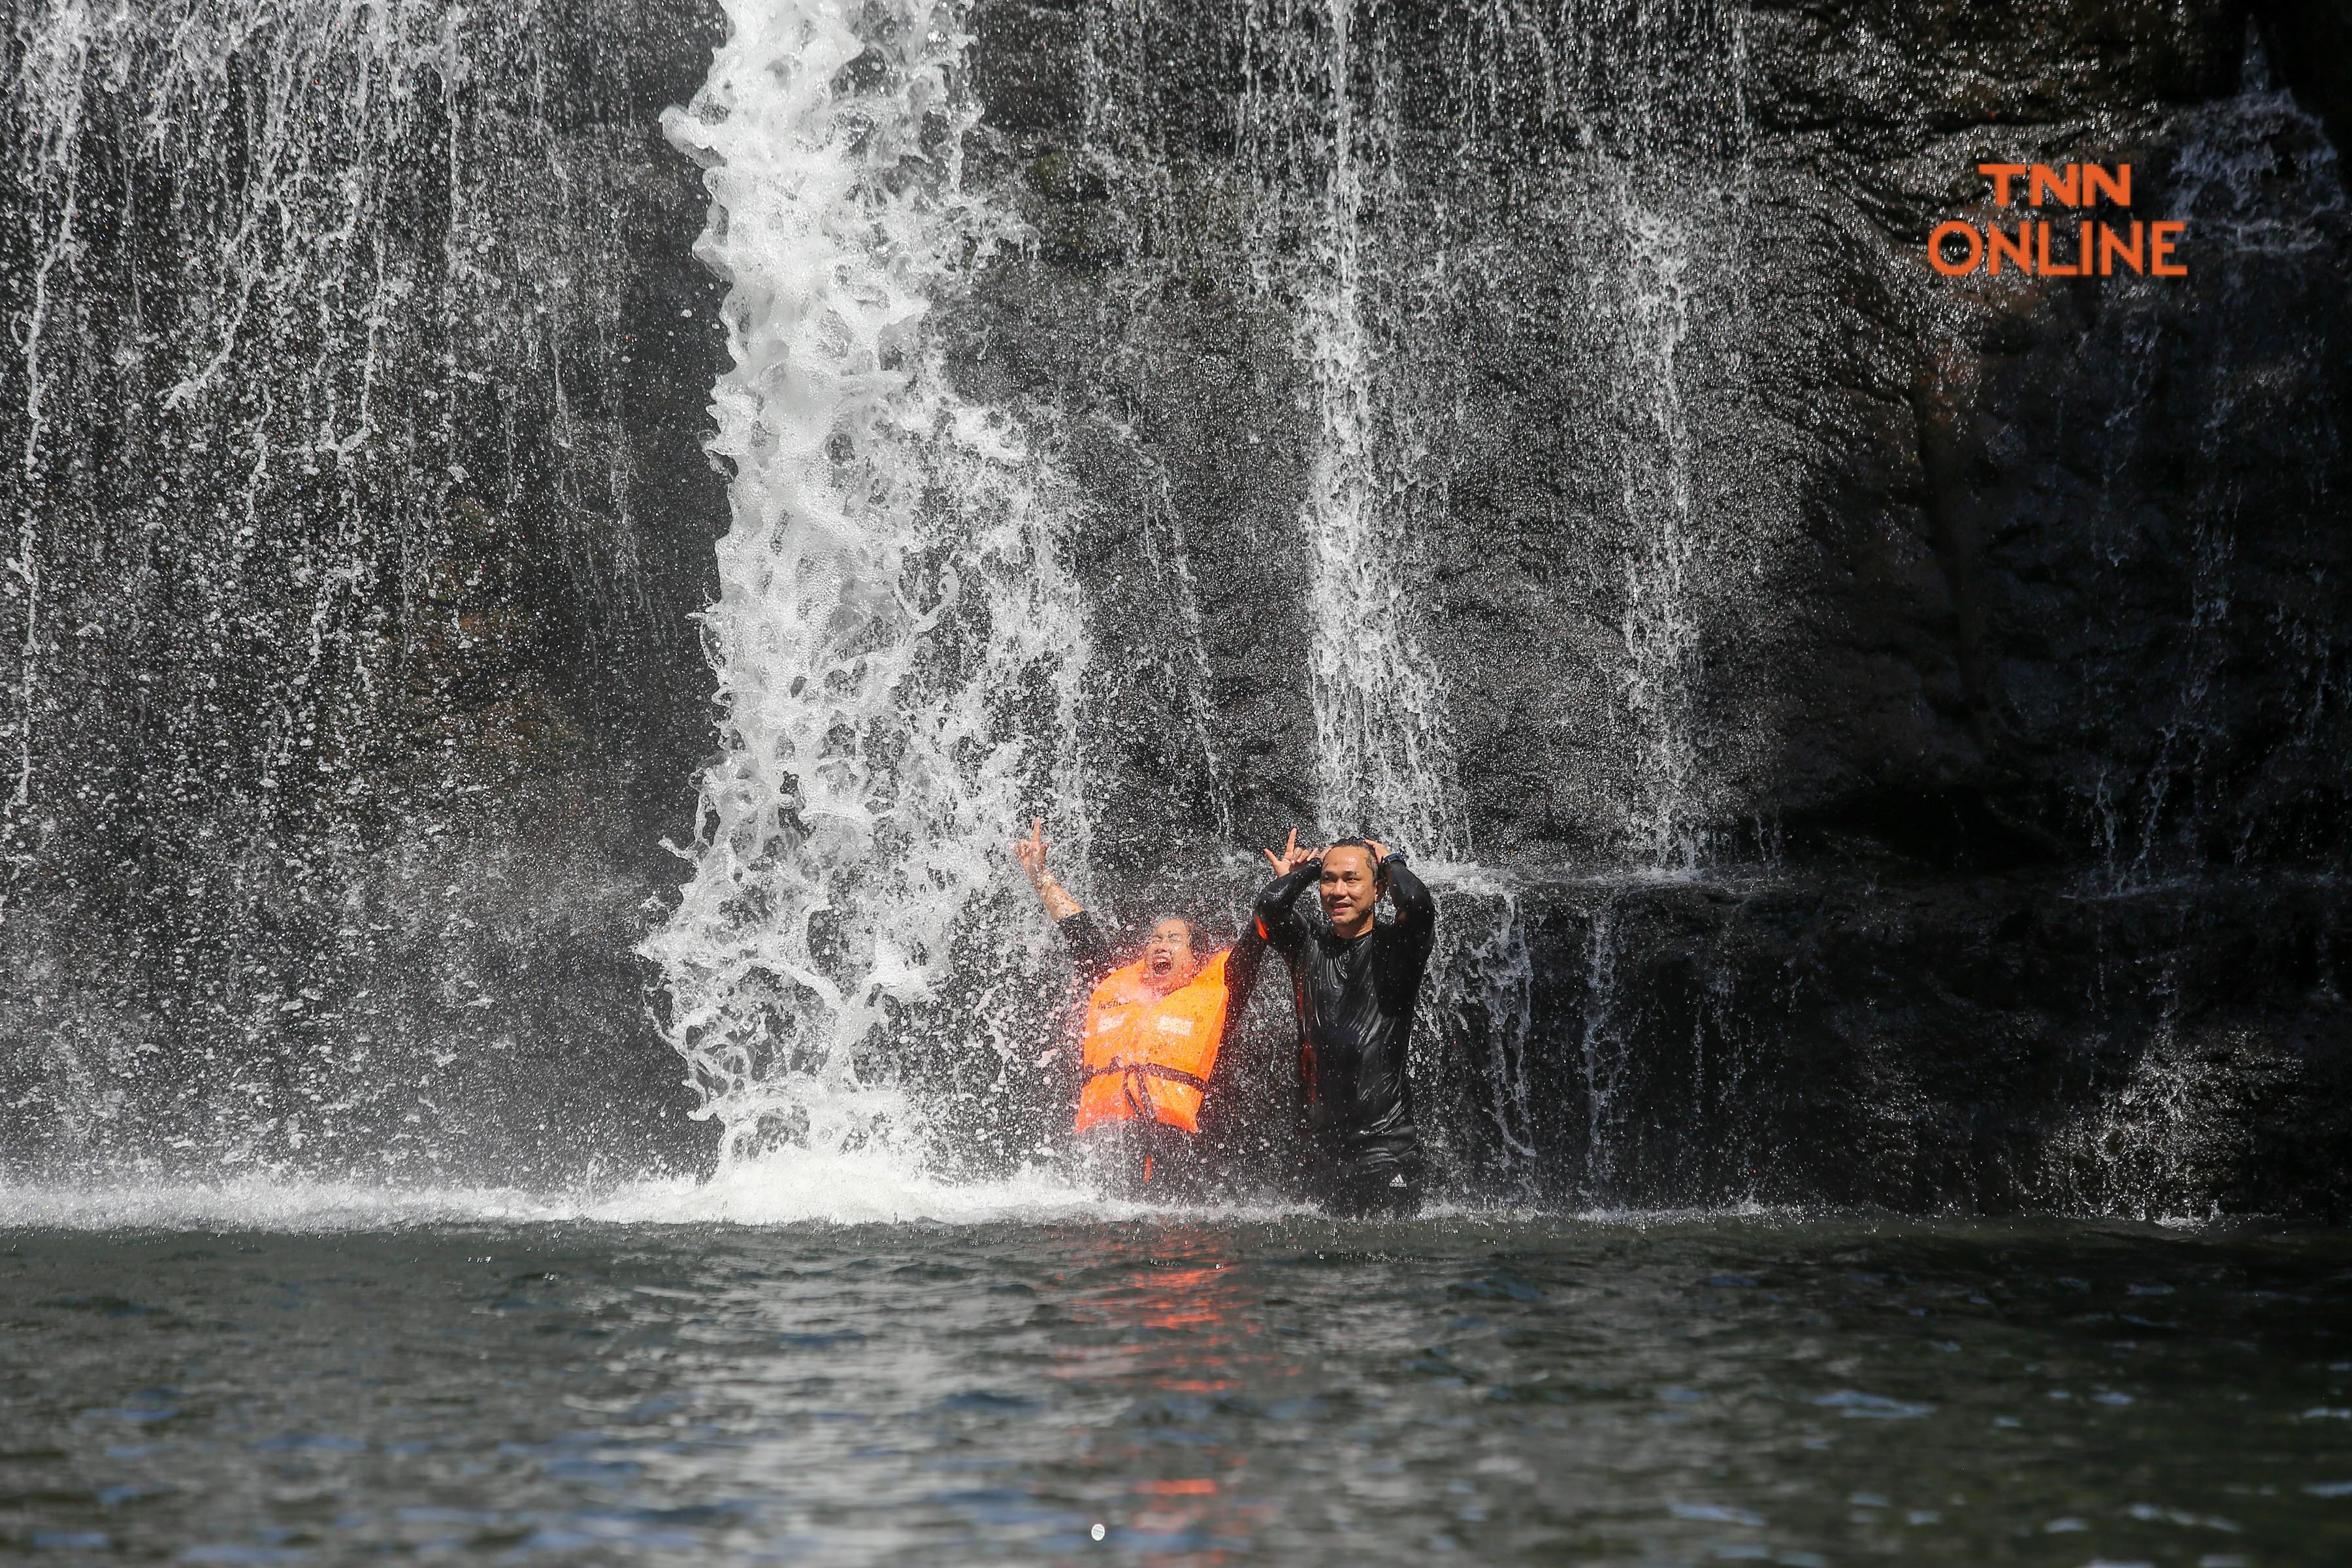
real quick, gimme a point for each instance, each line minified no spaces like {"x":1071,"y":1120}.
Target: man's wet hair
{"x":1371,"y":853}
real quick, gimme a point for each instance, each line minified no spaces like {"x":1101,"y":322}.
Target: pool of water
{"x":1054,"y":1386}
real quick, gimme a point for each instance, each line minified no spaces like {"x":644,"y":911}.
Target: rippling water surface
{"x":362,"y":1381}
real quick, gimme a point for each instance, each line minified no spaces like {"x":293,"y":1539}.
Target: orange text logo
{"x":2077,"y":246}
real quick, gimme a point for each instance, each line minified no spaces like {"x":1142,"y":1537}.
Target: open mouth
{"x":1161,"y":963}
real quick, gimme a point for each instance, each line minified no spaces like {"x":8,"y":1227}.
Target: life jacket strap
{"x":1153,"y":1069}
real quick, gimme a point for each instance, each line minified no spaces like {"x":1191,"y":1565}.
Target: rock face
{"x":1982,"y":636}
{"x":1981,"y":1045}
{"x":1973,"y":568}
{"x":358,"y":516}
{"x":1899,"y":717}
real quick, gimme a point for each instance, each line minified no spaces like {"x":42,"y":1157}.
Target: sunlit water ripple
{"x":763,"y":1368}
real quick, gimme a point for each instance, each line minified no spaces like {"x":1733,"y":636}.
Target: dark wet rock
{"x":2005,"y":590}
{"x":2035,"y":566}
{"x":2005,"y":1042}
{"x":359,"y":686}
{"x":2310,"y":42}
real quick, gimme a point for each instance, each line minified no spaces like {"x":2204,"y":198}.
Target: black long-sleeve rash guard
{"x":1356,"y":997}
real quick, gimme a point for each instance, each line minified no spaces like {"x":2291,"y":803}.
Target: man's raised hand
{"x":1291,"y":857}
{"x":1275,"y":860}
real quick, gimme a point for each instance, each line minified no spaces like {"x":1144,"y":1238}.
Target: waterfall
{"x":898,"y":642}
{"x":1187,"y":668}
{"x":1659,"y":624}
{"x":1478,"y":1035}
{"x":325,"y":554}
{"x":1308,"y":411}
{"x":1604,"y":1047}
{"x":1383,"y":761}
{"x":1409,"y":193}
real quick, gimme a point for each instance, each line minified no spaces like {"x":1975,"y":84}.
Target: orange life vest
{"x":1148,"y":1055}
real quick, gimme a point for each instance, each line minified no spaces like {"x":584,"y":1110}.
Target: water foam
{"x":897,"y":641}
{"x":789,"y":1187}
{"x":793,"y":1189}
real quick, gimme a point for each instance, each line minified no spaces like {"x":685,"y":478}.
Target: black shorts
{"x":1380,"y":1183}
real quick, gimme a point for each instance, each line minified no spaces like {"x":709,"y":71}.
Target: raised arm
{"x":1241,"y":965}
{"x":1091,"y":948}
{"x":1416,"y":910}
{"x":1412,"y":936}
{"x":1030,"y":853}
{"x":1276,"y":915}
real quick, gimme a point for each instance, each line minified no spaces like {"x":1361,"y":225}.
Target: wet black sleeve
{"x":1276,"y":916}
{"x":1241,"y":971}
{"x":1416,"y":920}
{"x":1090,"y":948}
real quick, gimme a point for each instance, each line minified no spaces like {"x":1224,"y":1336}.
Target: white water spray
{"x":897,"y":640}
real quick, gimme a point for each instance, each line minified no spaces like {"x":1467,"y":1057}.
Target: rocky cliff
{"x":1992,"y":675}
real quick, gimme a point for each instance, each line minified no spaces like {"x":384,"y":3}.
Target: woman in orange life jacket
{"x":1154,"y":1028}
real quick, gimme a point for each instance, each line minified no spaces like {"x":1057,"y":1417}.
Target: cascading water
{"x":1383,"y":762}
{"x":1484,"y":1122}
{"x":1395,"y":272}
{"x":1302,"y":412}
{"x":1185,"y":666}
{"x":1641,"y":197}
{"x":1382,"y":754}
{"x":1602,"y":1047}
{"x":1659,"y":624}
{"x":325,"y":487}
{"x":898,"y":642}
{"x":1608,"y":144}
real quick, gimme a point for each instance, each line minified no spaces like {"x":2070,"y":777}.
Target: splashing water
{"x":2148,"y":1147}
{"x":790,"y":1187}
{"x":897,"y":640}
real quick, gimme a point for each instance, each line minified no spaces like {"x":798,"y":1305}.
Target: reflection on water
{"x":1175,"y":1336}
{"x":1205,"y":1390}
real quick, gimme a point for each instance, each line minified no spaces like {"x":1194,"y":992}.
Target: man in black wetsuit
{"x":1355,"y":983}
